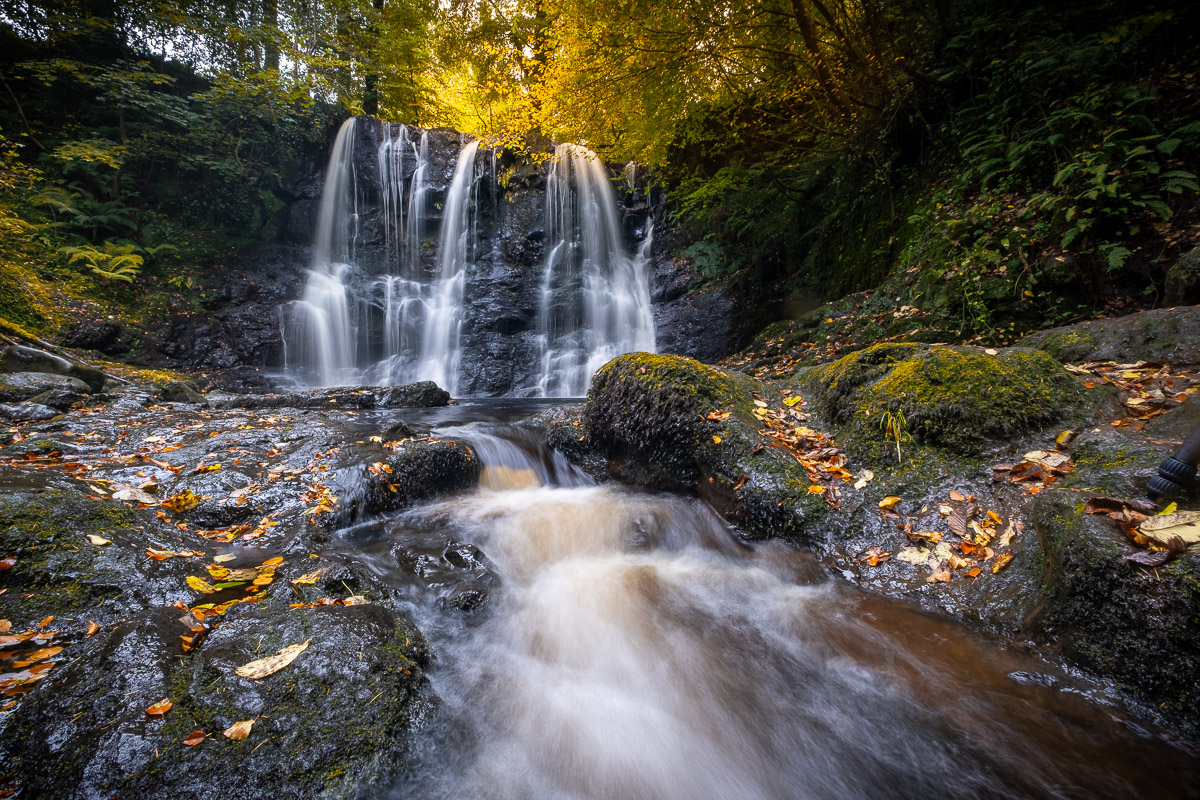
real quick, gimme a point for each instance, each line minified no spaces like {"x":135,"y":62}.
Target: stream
{"x":600,"y":642}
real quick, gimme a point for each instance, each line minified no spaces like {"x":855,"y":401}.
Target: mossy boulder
{"x":958,"y":398}
{"x":647,"y":415}
{"x":411,"y":471}
{"x":19,"y":358}
{"x":18,"y":386}
{"x":1139,"y":626}
{"x":1164,"y":334}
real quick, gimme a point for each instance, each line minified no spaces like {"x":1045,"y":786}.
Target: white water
{"x":407,"y":324}
{"x":595,"y":302}
{"x":632,"y":648}
{"x":441,"y":350}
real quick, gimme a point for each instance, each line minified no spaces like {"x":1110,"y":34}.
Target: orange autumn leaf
{"x":194,"y":738}
{"x":45,"y":622}
{"x":239,"y":730}
{"x":888,"y":503}
{"x":160,"y":708}
{"x":956,"y":495}
{"x":1001,"y":562}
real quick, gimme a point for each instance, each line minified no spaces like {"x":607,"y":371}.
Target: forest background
{"x":999,"y":166}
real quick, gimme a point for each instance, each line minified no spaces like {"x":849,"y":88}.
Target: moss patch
{"x":955,"y":397}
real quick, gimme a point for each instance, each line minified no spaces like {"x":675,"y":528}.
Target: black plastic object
{"x":1177,"y":472}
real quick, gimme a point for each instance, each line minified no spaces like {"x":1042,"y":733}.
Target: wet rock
{"x":17,"y":386}
{"x":1137,"y":625}
{"x":181,"y":392}
{"x":409,"y":472}
{"x":103,"y":336}
{"x":397,"y":431}
{"x":1183,"y":280}
{"x":27,"y":412}
{"x":425,"y":394}
{"x":960,"y":398}
{"x":1165,"y":334}
{"x":646,"y":415}
{"x":701,"y":325}
{"x":333,"y":723}
{"x":19,"y":358}
{"x":59,"y":399}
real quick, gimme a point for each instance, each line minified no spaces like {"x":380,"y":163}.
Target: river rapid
{"x":594,"y":641}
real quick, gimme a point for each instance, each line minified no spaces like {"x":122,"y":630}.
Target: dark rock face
{"x":1183,"y":280}
{"x":1164,"y":334}
{"x":239,"y":343}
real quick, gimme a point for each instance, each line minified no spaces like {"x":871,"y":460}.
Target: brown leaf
{"x":239,"y":730}
{"x":959,"y":518}
{"x":874,"y":555}
{"x":957,"y":495}
{"x":940,"y":574}
{"x":160,"y":708}
{"x":265,"y":667}
{"x":5,"y":626}
{"x":7,"y":563}
{"x":1149,"y":558}
{"x":740,"y":483}
{"x":42,"y":625}
{"x":1001,"y":562}
{"x":194,"y":738}
{"x":1111,"y":505}
{"x":92,"y":630}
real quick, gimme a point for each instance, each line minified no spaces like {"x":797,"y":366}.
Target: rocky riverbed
{"x":156,"y":540}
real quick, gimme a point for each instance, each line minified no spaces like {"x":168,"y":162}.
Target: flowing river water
{"x":600,"y":642}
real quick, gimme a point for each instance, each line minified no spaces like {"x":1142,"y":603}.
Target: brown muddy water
{"x":597,"y":642}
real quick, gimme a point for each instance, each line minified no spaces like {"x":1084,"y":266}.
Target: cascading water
{"x":386,"y":299}
{"x":595,"y":302}
{"x":441,"y":349}
{"x":323,"y":331}
{"x":596,"y":642}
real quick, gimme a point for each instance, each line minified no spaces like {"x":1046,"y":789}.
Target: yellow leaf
{"x":888,"y":503}
{"x":793,"y":400}
{"x":308,"y":579}
{"x":816,"y":488}
{"x":1170,"y":509}
{"x":239,"y":730}
{"x":181,"y":501}
{"x":200,"y":585}
{"x":1001,"y":562}
{"x":716,"y":439}
{"x":265,"y":667}
{"x":99,"y":541}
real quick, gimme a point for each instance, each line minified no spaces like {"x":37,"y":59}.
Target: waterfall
{"x":403,"y":243}
{"x":594,"y":300}
{"x":441,"y":352}
{"x":324,"y":327}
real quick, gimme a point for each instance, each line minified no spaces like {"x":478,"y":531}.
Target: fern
{"x":117,"y":262}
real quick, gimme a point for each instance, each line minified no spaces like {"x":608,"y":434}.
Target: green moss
{"x":953,"y":397}
{"x":1070,"y":345}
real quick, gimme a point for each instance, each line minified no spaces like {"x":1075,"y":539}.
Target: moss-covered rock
{"x":1165,"y":334}
{"x":647,"y":414}
{"x":1137,"y":625}
{"x":411,"y":471}
{"x":959,"y":398}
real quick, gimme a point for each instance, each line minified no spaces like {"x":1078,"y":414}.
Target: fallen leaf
{"x":1182,"y":525}
{"x":273,"y":562}
{"x":874,"y":555}
{"x":740,"y":483}
{"x":816,"y":488}
{"x":1001,"y":562}
{"x":974,"y":573}
{"x":265,"y":667}
{"x":125,"y":492}
{"x":7,"y":563}
{"x":99,"y":541}
{"x":716,"y":439}
{"x":863,"y":478}
{"x":309,"y":578}
{"x":957,"y":496}
{"x":42,"y":625}
{"x":221,"y":559}
{"x":159,"y":708}
{"x":888,"y":503}
{"x":194,"y":738}
{"x":915,"y":555}
{"x":181,"y":501}
{"x":1148,"y":558}
{"x":793,"y":400}
{"x":239,"y":730}
{"x":200,"y":585}
{"x":92,"y":630}
{"x":941,"y":574}
{"x":5,"y":626}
